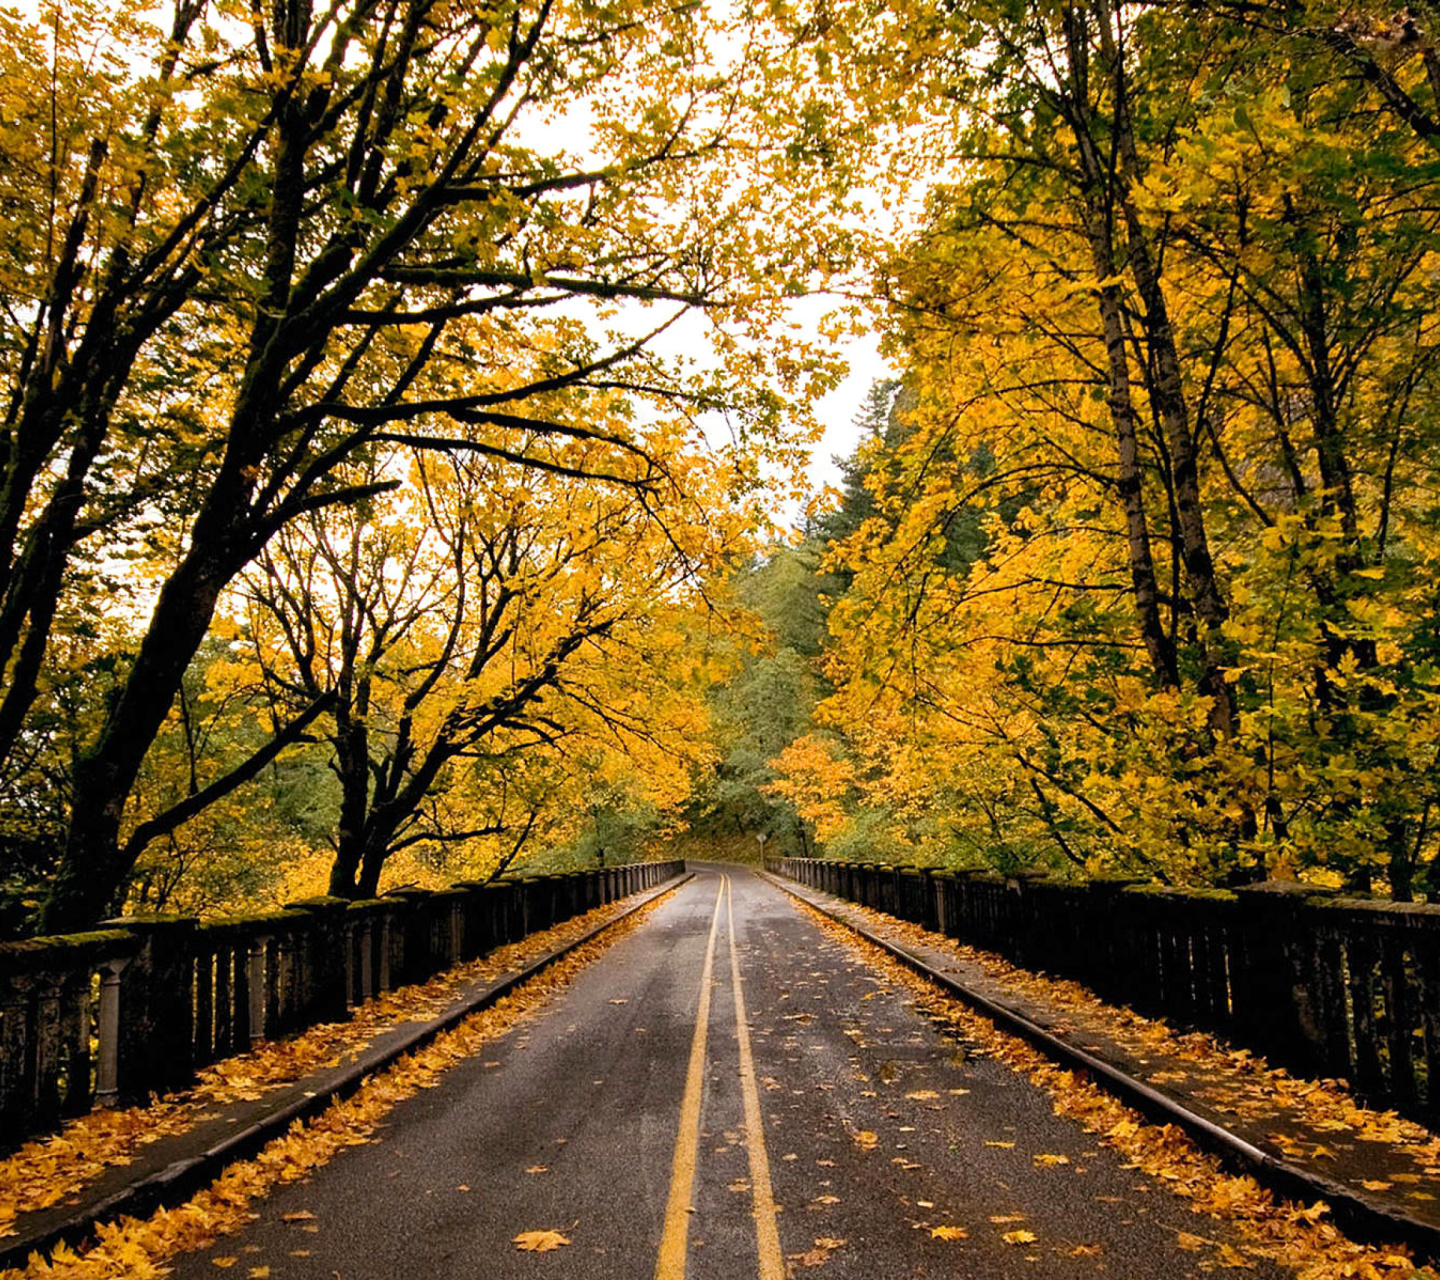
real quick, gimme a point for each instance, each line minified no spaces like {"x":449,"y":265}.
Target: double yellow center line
{"x":678,"y":1207}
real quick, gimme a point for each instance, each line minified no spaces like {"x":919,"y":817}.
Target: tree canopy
{"x":1170,"y":345}
{"x":401,"y":396}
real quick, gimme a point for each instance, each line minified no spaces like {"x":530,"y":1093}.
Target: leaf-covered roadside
{"x":1295,"y":1236}
{"x":136,"y":1249}
{"x":50,"y":1170}
{"x":1298,"y":1117}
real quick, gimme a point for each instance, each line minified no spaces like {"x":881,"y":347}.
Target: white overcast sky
{"x":838,"y":409}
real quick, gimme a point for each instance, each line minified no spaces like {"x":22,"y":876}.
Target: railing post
{"x":385,"y":980}
{"x":326,"y":950}
{"x":417,"y":931}
{"x":362,"y":950}
{"x":157,"y":1023}
{"x":449,"y":904}
{"x":255,"y":985}
{"x":1276,"y":1004}
{"x":107,"y":1067}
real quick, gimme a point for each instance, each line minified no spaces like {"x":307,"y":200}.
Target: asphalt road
{"x":618,"y":1118}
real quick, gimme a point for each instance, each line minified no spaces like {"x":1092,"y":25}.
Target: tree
{"x":467,"y":622}
{"x":236,"y":274}
{"x":1169,"y":336}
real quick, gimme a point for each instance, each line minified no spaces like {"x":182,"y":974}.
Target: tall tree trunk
{"x":90,"y":881}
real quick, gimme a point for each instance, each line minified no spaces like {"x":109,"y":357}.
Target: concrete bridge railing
{"x":1325,"y":985}
{"x":139,"y":1005}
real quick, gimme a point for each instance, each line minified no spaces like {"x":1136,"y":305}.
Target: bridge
{"x":731,"y":1074}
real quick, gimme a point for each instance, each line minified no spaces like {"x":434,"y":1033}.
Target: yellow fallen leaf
{"x":1050,"y":1160}
{"x":922,"y":1095}
{"x":538,"y":1168}
{"x":539,"y":1241}
{"x":1232,"y":1257}
{"x":1376,"y":1184}
{"x":866,"y":1139}
{"x":1000,"y":1219}
{"x":259,"y":1273}
{"x":298,"y":1215}
{"x":828,"y":1242}
{"x":1004,"y":1146}
{"x":949,"y":1233}
{"x":1019,"y":1237}
{"x":223,"y":1262}
{"x":1190,"y":1242}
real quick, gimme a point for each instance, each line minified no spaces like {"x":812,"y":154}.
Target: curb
{"x":177,"y":1181}
{"x":1370,"y":1220}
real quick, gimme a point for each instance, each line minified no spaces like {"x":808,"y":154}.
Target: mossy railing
{"x":1324,"y":985}
{"x":138,"y":1006}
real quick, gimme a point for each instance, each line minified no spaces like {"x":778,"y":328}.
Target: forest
{"x":407,"y":405}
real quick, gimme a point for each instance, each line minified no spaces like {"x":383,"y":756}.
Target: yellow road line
{"x":767,"y":1236}
{"x":671,"y":1263}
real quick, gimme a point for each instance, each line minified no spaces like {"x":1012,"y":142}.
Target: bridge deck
{"x":890,"y":1150}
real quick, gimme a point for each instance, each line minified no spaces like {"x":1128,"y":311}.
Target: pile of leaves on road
{"x":55,"y":1169}
{"x":1292,"y":1235}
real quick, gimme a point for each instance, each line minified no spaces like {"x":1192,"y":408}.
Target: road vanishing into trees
{"x":728,"y":1092}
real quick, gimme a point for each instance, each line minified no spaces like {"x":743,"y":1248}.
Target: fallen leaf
{"x":1189,"y":1242}
{"x":1019,"y":1237}
{"x":866,"y":1139}
{"x":538,"y":1168}
{"x":539,"y":1241}
{"x":1232,"y":1257}
{"x":827,"y":1242}
{"x":298,"y":1215}
{"x":949,"y":1233}
{"x":1050,"y":1160}
{"x":1004,"y":1146}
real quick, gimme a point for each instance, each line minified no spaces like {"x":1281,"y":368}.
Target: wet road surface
{"x":829,"y":1130}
